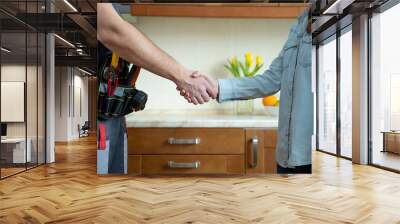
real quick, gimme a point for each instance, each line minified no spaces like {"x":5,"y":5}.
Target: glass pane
{"x":41,"y":99}
{"x":13,"y":86}
{"x":31,"y":99}
{"x":346,"y":94}
{"x":394,"y":101}
{"x":327,"y":97}
{"x":385,"y":84}
{"x":23,"y":82}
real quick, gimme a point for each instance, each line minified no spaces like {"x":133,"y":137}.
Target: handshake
{"x":198,"y":88}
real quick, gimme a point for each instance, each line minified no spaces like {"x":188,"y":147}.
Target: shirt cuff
{"x":225,"y":91}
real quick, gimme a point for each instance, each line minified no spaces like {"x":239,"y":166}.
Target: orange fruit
{"x":270,"y":101}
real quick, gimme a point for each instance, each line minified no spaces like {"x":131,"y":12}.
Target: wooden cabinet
{"x":201,"y":151}
{"x":391,"y":142}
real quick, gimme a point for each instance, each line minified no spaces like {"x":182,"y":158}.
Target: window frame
{"x":334,"y":37}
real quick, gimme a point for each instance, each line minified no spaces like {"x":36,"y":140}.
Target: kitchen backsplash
{"x":205,"y":45}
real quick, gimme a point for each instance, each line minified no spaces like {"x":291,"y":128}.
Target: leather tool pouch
{"x":125,"y":98}
{"x":124,"y":101}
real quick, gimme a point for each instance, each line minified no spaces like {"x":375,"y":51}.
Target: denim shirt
{"x":289,"y":73}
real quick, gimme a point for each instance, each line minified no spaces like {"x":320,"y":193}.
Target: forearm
{"x":247,"y":88}
{"x":130,"y":44}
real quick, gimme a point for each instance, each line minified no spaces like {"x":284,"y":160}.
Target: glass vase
{"x":244,"y":107}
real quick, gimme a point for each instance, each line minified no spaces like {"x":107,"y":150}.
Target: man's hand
{"x":200,"y":90}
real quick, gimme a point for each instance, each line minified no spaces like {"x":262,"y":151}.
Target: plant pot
{"x":244,"y":107}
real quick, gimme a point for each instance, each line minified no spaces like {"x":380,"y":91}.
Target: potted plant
{"x":241,"y":70}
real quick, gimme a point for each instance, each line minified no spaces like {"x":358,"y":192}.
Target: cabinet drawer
{"x":151,"y":141}
{"x":192,"y":164}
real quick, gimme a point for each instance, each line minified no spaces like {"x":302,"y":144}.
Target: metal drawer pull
{"x":175,"y":165}
{"x":184,"y":141}
{"x":254,"y":150}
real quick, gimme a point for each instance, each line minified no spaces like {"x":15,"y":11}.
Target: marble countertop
{"x":207,"y":120}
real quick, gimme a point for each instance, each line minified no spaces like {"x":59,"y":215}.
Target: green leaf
{"x":232,"y":70}
{"x":237,"y":71}
{"x":256,"y":69}
{"x":228,"y":68}
{"x":244,"y":69}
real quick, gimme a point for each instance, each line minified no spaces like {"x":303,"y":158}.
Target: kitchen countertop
{"x":200,"y":120}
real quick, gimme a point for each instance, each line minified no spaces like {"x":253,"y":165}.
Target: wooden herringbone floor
{"x":69,"y":191}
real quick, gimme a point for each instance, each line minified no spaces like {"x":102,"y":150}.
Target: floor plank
{"x":70,"y":191}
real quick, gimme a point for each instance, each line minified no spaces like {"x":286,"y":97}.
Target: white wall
{"x":80,"y":83}
{"x":17,"y":73}
{"x":67,"y":115}
{"x":62,"y":82}
{"x":205,"y":45}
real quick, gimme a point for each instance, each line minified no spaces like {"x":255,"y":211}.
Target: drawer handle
{"x":184,"y":141}
{"x":254,"y":150}
{"x":175,"y":165}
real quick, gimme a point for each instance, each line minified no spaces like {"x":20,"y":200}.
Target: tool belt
{"x":117,"y":93}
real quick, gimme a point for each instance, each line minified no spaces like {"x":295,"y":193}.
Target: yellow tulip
{"x":259,"y":60}
{"x":234,"y":61}
{"x":249,"y":59}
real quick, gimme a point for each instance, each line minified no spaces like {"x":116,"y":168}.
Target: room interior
{"x":26,"y":63}
{"x":209,"y":163}
{"x":333,"y":57}
{"x":22,"y":102}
